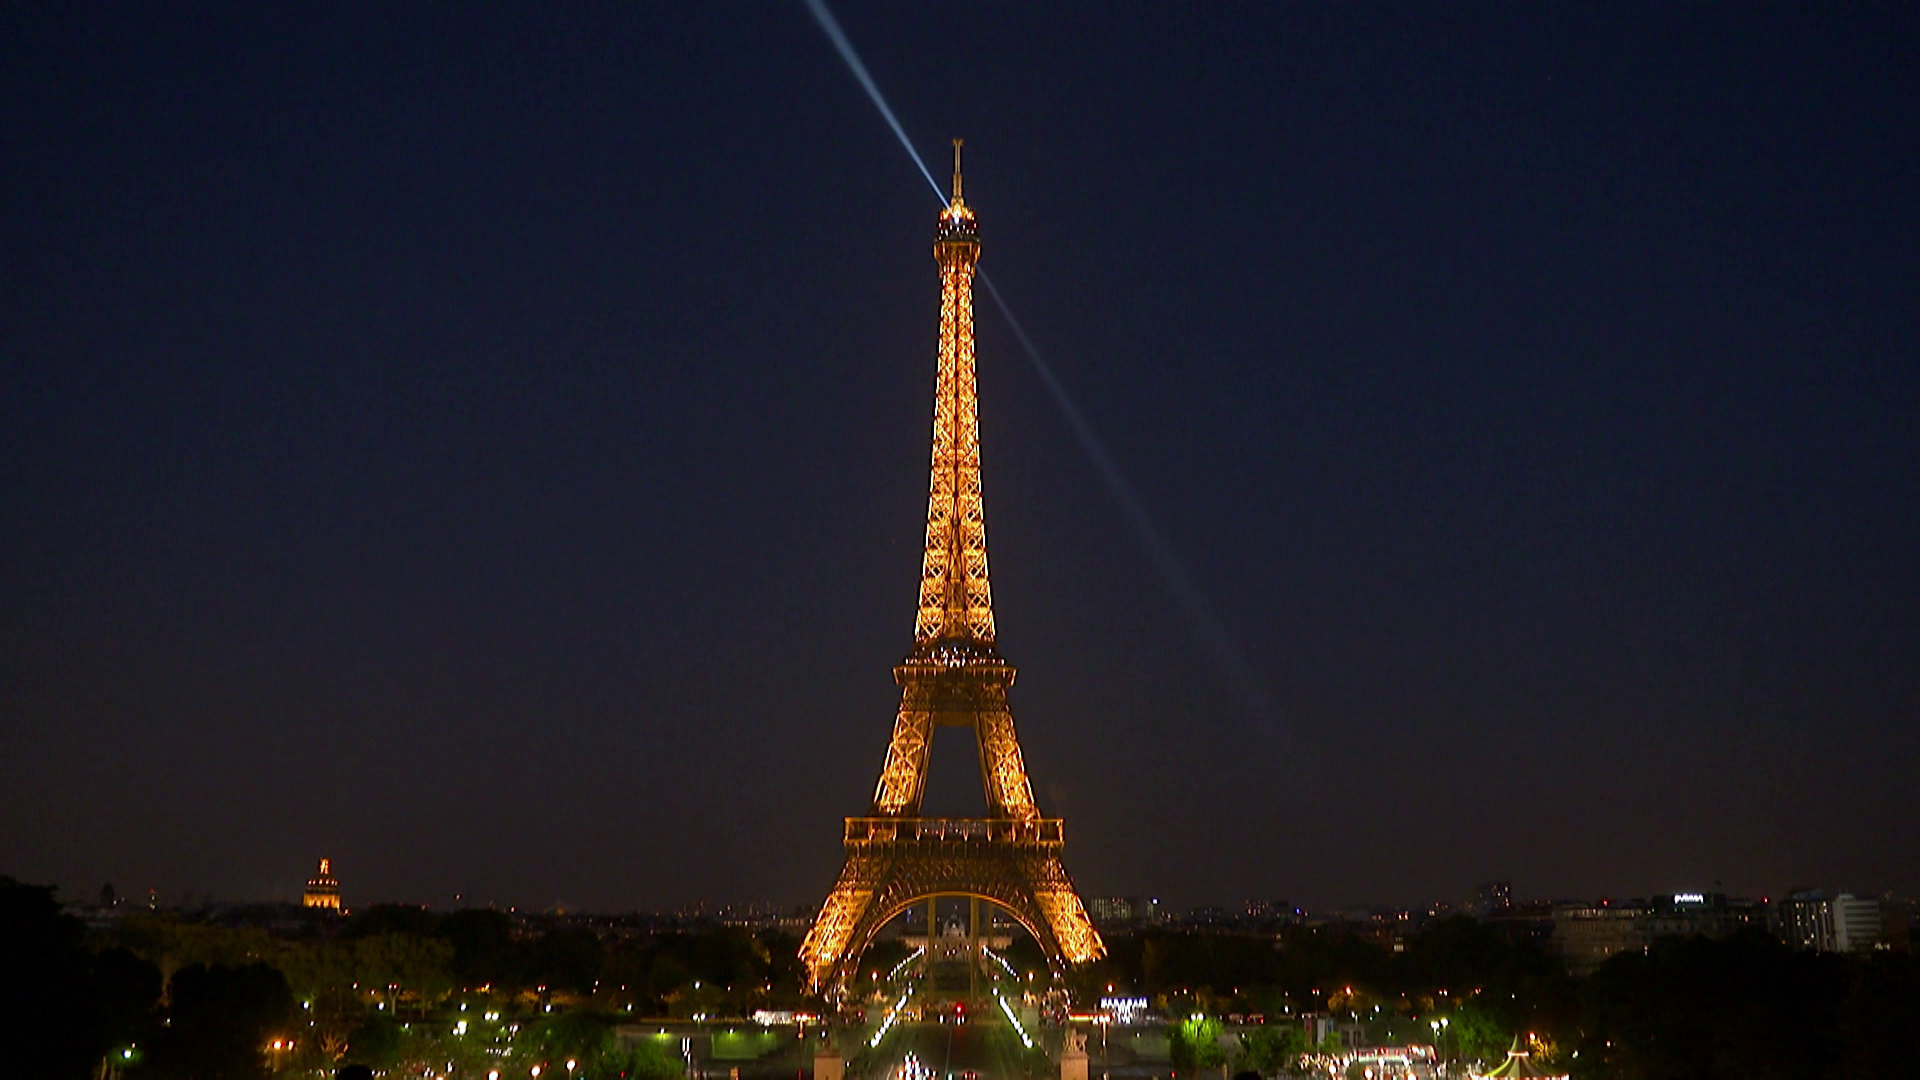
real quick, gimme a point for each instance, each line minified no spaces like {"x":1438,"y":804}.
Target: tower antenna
{"x":956,"y":170}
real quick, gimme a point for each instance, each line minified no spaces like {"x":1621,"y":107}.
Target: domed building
{"x":323,"y":891}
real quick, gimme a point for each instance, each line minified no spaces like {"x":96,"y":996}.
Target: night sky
{"x":491,"y":449}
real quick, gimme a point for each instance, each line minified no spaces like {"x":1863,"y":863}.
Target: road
{"x":983,"y":1049}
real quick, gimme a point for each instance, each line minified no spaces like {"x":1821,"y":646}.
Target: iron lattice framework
{"x":954,"y":677}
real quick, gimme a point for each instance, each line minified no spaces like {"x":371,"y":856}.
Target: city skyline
{"x":1145,"y":909}
{"x":490,"y":452}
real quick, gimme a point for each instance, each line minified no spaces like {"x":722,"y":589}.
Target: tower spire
{"x":957,"y":143}
{"x":956,"y":602}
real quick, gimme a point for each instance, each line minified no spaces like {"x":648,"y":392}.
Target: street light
{"x":1105,"y":1062}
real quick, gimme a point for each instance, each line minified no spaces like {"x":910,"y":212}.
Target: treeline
{"x":1486,"y":982}
{"x":1746,"y":1006}
{"x":162,"y":995}
{"x":404,"y":959}
{"x":1312,"y":968}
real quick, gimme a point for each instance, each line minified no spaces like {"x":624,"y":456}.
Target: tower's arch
{"x":1035,"y":928}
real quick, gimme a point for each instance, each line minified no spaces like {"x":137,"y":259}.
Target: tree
{"x":483,"y":949}
{"x":566,"y":958}
{"x":401,"y":964}
{"x":123,"y":990}
{"x":1195,"y":1043}
{"x":578,"y":1036}
{"x":61,"y":1009}
{"x":1480,"y":1030}
{"x":1747,"y":1006}
{"x":1459,"y":954}
{"x":1880,"y":1015}
{"x":321,"y":975}
{"x":171,"y":942}
{"x":220,"y":1022}
{"x":644,"y":1060}
{"x":393,"y":919}
{"x":1272,"y":1048}
{"x":375,"y":1043}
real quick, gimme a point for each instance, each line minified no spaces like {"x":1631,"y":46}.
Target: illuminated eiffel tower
{"x":953,"y":677}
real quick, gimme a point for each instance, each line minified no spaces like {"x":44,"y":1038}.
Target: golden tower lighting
{"x":956,"y":677}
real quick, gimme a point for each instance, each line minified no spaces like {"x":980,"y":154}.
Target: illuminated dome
{"x":323,"y":890}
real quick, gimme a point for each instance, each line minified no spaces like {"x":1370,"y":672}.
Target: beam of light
{"x":839,"y":38}
{"x":1186,"y":592}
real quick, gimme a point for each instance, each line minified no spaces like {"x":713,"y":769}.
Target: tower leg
{"x":1001,"y":768}
{"x":841,"y":917}
{"x":903,"y":779}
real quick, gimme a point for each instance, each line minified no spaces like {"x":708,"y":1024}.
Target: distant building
{"x":1115,"y":912}
{"x":1709,"y":915}
{"x":1210,"y":915}
{"x":1492,"y":897}
{"x":1585,"y":935}
{"x":1267,"y":912}
{"x":323,"y":891}
{"x":1810,"y":919}
{"x":1522,"y":924}
{"x":1856,"y":923}
{"x":1803,"y":919}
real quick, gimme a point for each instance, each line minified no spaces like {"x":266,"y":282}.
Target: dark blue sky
{"x":491,"y":449}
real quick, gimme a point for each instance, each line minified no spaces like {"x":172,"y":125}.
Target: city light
{"x":1001,"y":960}
{"x":916,"y":954}
{"x":1014,"y":1020}
{"x":887,"y":1021}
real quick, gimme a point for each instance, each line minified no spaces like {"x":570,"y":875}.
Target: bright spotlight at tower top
{"x":957,"y":220}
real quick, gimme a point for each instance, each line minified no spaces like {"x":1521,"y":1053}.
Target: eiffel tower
{"x":954,"y":677}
